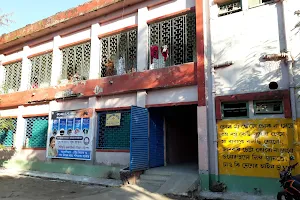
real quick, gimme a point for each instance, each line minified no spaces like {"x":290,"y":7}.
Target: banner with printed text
{"x":70,"y":136}
{"x":258,"y":147}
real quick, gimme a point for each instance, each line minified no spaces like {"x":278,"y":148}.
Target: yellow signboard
{"x":259,"y":147}
{"x":113,"y":119}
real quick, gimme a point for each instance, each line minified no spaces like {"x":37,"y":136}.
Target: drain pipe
{"x":290,"y":61}
{"x":211,"y":113}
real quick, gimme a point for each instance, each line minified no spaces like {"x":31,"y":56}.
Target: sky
{"x":29,"y":11}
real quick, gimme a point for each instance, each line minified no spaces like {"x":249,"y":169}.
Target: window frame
{"x":171,"y":61}
{"x":240,"y":117}
{"x":266,"y":101}
{"x":129,"y":48}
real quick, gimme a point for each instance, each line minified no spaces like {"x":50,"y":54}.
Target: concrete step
{"x":161,"y":178}
{"x":151,"y":186}
{"x":151,"y":182}
{"x":158,"y":172}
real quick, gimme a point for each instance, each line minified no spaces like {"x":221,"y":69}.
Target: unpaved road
{"x":16,"y":187}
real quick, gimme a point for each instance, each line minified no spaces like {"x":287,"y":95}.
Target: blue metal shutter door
{"x":139,"y":143}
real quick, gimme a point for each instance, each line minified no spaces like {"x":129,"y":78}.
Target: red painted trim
{"x":112,"y":109}
{"x":177,"y":76}
{"x":40,"y":53}
{"x":36,"y":115}
{"x":36,"y":149}
{"x":200,"y":53}
{"x":12,"y":61}
{"x":172,"y":104}
{"x":75,"y":43}
{"x":175,"y":14}
{"x":112,"y":150}
{"x":153,"y":5}
{"x":127,"y":28}
{"x":270,"y":95}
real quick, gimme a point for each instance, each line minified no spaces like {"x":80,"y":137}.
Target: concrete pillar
{"x":141,"y":99}
{"x":93,"y":126}
{"x":2,"y":71}
{"x":20,"y":130}
{"x":56,"y":61}
{"x":26,"y":69}
{"x":95,"y":52}
{"x":203,"y":155}
{"x":142,"y":49}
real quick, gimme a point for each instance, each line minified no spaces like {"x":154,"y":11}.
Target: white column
{"x":141,"y":97}
{"x":142,"y":49}
{"x":93,"y":126}
{"x":95,"y":52}
{"x":25,"y":69}
{"x":57,"y":61}
{"x":20,"y":131}
{"x":2,"y":71}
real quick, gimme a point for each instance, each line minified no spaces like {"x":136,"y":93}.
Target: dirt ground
{"x":16,"y":187}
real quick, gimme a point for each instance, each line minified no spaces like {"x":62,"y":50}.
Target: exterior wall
{"x":113,"y":158}
{"x":41,"y":47}
{"x":173,"y":95}
{"x":77,"y":36}
{"x":244,"y":43}
{"x":243,"y":38}
{"x":124,"y":100}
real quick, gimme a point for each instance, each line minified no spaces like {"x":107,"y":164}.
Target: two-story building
{"x":106,"y":85}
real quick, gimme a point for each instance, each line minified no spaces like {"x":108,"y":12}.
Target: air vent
{"x":230,"y":8}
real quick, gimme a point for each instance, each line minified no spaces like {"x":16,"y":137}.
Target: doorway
{"x":179,"y":134}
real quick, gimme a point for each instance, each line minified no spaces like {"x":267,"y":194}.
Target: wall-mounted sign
{"x":70,"y":137}
{"x":256,"y":147}
{"x":113,"y":119}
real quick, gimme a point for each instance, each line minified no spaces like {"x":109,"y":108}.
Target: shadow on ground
{"x":17,"y":187}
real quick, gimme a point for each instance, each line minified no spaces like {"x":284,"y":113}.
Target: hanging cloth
{"x":154,"y":52}
{"x":121,"y":66}
{"x":165,"y":52}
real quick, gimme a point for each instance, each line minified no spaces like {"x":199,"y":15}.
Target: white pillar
{"x":93,"y":127}
{"x":20,"y":131}
{"x":95,"y":52}
{"x":142,"y":49}
{"x":26,"y":68}
{"x":141,"y":97}
{"x":2,"y":71}
{"x":56,"y":61}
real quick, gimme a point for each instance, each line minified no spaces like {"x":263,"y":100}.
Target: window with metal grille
{"x":12,"y":80}
{"x":119,"y":53}
{"x":178,"y":35}
{"x":36,"y":132}
{"x":8,"y":131}
{"x":41,"y":67}
{"x":76,"y":62}
{"x":114,"y":137}
{"x":235,"y":110}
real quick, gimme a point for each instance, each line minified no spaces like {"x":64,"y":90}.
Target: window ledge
{"x":113,"y":150}
{"x":25,"y":148}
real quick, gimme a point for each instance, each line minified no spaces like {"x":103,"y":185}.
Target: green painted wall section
{"x":97,"y":171}
{"x":267,"y":186}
